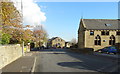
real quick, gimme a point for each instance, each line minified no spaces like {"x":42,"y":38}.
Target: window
{"x":107,"y":32}
{"x":118,"y":33}
{"x":97,"y":40}
{"x":108,"y":24}
{"x":104,"y":32}
{"x":91,"y":32}
{"x":112,"y":40}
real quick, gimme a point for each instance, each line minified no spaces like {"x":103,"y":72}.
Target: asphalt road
{"x":62,"y":60}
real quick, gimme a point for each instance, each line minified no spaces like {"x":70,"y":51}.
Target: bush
{"x":5,"y":38}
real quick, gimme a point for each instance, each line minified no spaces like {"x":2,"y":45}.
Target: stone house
{"x":56,"y":42}
{"x":98,"y":33}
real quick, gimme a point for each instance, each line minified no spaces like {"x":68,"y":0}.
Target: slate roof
{"x":54,"y":38}
{"x":101,"y":24}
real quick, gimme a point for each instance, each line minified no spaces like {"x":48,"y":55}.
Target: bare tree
{"x":73,"y":41}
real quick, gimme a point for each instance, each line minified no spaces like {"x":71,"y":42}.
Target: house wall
{"x":62,"y":43}
{"x":89,"y":39}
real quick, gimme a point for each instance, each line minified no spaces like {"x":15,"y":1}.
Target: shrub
{"x":5,"y":38}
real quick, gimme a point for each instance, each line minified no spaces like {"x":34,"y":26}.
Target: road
{"x":63,"y":60}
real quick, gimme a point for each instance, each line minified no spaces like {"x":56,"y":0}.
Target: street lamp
{"x":22,"y":24}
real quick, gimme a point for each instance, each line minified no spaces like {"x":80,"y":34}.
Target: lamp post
{"x":22,"y":24}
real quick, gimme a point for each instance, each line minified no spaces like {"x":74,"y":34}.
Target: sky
{"x":76,"y":0}
{"x":32,"y":14}
{"x":63,"y":18}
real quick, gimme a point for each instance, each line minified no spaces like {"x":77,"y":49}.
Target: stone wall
{"x":81,"y":36}
{"x":85,"y":40}
{"x":9,"y":53}
{"x":89,"y":39}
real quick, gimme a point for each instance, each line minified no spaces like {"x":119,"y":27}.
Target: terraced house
{"x":56,"y":42}
{"x":98,"y":33}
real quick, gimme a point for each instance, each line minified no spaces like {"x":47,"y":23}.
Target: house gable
{"x":82,"y":26}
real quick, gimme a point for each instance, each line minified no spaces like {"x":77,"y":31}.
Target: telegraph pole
{"x":22,"y":24}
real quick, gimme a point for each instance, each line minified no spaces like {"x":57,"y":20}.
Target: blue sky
{"x":63,"y":17}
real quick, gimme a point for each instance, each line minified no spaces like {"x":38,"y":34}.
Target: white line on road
{"x":33,"y":68}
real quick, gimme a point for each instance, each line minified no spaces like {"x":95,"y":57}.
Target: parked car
{"x":108,"y":50}
{"x":42,"y":47}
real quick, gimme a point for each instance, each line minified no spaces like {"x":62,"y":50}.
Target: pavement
{"x":22,"y":64}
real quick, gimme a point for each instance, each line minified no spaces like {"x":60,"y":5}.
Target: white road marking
{"x":33,"y":68}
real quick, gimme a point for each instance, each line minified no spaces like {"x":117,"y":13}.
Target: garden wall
{"x":9,"y":53}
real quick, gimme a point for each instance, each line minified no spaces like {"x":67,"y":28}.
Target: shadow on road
{"x":49,"y":50}
{"x":91,"y":62}
{"x":84,"y":61}
{"x":79,"y":65}
{"x":56,"y":53}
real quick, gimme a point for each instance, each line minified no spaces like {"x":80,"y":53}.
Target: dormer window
{"x":108,"y":24}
